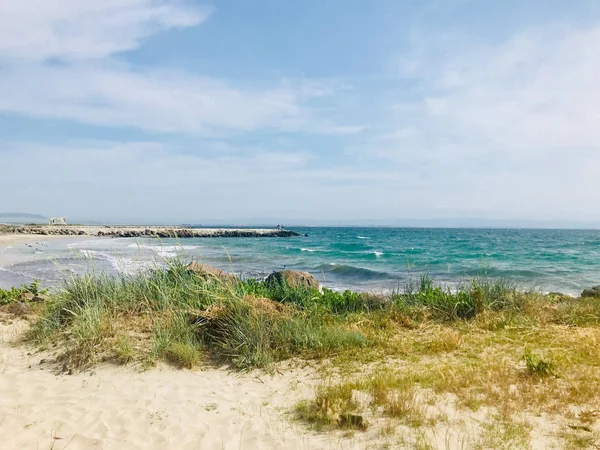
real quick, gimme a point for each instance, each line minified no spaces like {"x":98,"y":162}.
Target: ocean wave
{"x":363,"y":237}
{"x":76,"y":245}
{"x":167,"y":251}
{"x":121,"y":264}
{"x":369,"y":254}
{"x":303,"y":249}
{"x":350,"y":247}
{"x":353,"y":272}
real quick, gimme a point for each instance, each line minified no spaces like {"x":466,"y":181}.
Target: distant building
{"x":58,"y":221}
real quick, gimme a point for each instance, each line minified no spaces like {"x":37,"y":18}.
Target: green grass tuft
{"x":537,"y":365}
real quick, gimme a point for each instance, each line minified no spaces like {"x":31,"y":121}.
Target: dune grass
{"x":179,"y":316}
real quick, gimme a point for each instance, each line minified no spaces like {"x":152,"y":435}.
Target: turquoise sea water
{"x":355,"y":258}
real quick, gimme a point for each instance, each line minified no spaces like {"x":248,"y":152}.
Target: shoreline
{"x":16,"y":239}
{"x":146,"y":231}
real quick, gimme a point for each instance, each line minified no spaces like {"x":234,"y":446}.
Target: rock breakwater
{"x":150,"y":231}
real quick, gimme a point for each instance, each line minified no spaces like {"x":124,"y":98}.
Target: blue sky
{"x":339,"y":111}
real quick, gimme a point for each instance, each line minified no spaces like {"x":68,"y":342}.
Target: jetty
{"x":147,"y":231}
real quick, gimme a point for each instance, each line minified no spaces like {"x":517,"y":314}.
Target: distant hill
{"x":9,"y":217}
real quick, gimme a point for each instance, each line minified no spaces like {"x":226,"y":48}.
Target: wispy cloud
{"x":84,"y":29}
{"x":148,"y":181}
{"x":162,"y":101}
{"x":531,"y":95}
{"x":57,"y":60}
{"x":508,"y":129}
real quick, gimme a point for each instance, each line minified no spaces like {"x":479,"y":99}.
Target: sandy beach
{"x":16,"y":239}
{"x":116,"y":407}
{"x":122,"y":408}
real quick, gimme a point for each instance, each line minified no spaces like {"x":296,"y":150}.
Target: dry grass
{"x":382,"y":393}
{"x":510,"y":367}
{"x":501,"y":432}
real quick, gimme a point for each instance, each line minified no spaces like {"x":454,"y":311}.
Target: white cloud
{"x":57,"y":60}
{"x":534,"y":94}
{"x":509,"y":130}
{"x":114,"y":95}
{"x":84,"y":29}
{"x":147,"y":181}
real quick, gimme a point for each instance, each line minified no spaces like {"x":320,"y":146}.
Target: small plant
{"x":183,"y":355}
{"x":123,"y":350}
{"x":13,"y":294}
{"x":536,"y":365}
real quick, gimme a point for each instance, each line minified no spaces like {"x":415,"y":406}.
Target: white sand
{"x":14,"y":239}
{"x":119,"y":408}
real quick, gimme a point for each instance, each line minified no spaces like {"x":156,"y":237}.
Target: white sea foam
{"x":363,"y":237}
{"x":103,"y":243}
{"x":122,"y":264}
{"x":310,"y":250}
{"x":166,"y":251}
{"x":378,"y":254}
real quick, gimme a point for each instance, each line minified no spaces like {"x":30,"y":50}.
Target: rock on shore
{"x":293,"y":279}
{"x":161,"y":232}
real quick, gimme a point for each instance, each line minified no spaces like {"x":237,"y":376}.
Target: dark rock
{"x":208,"y":272}
{"x":29,"y":297}
{"x":26,"y":297}
{"x":293,"y":279}
{"x":591,"y":292}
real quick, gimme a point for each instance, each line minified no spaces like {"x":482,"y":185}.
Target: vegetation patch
{"x":393,"y":359}
{"x":24,"y":293}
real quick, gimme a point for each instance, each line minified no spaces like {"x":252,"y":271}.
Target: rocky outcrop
{"x":209,"y":272}
{"x":30,"y":297}
{"x":160,"y":232}
{"x":591,"y":292}
{"x":293,"y":279}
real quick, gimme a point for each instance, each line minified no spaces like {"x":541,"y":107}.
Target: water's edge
{"x":371,"y":259}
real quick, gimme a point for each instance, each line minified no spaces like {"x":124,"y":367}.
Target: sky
{"x":312,"y":111}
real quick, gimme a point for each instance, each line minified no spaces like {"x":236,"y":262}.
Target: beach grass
{"x":484,"y":346}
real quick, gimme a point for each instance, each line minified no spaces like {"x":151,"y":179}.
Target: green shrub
{"x":537,"y":365}
{"x":12,"y":295}
{"x":308,"y":298}
{"x":465,"y":303}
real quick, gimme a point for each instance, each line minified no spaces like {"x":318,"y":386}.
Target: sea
{"x":362,"y":259}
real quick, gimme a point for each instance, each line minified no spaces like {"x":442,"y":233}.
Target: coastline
{"x":16,"y":239}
